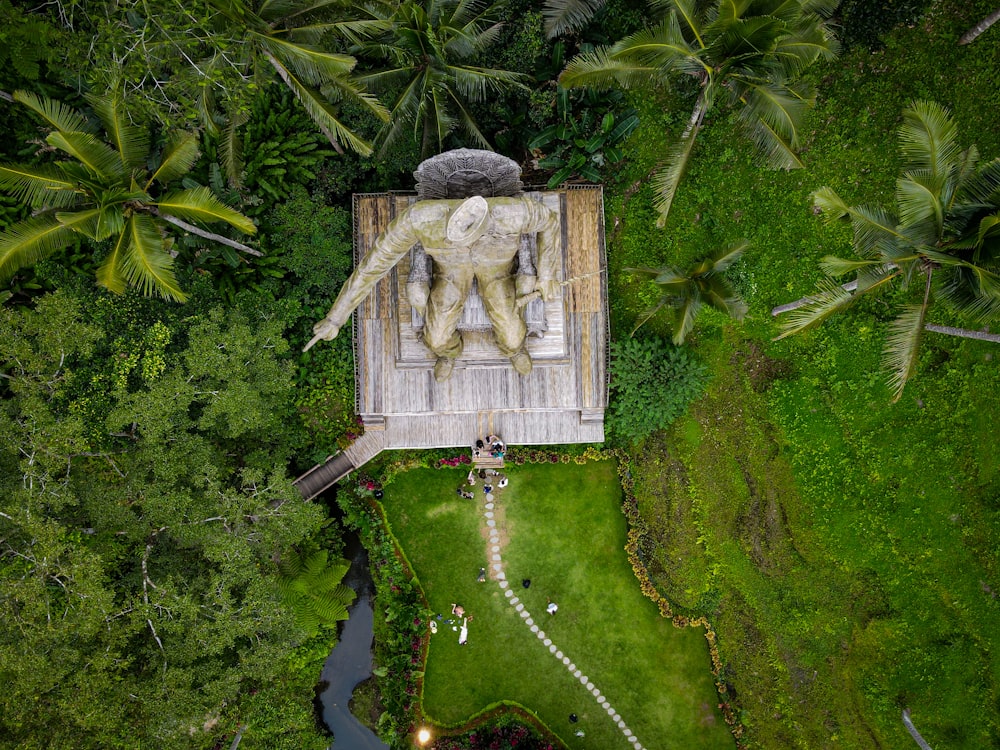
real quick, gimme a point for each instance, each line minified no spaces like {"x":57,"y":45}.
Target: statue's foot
{"x":521,"y":362}
{"x":443,"y":368}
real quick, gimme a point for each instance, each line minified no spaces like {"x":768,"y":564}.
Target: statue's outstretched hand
{"x":325,"y":330}
{"x":548,"y":288}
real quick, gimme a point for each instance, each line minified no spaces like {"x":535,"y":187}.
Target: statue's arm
{"x":546,"y":224}
{"x":387,"y":251}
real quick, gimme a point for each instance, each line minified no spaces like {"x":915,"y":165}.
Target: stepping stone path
{"x":518,"y":605}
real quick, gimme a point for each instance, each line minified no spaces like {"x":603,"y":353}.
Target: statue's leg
{"x":500,"y":299}
{"x":444,"y":310}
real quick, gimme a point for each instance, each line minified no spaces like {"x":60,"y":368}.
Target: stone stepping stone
{"x":524,"y":613}
{"x":488,"y":514}
{"x":504,"y":584}
{"x":534,"y":628}
{"x":621,"y":724}
{"x":497,"y":566}
{"x":530,"y":621}
{"x":616,"y":717}
{"x":515,"y":600}
{"x":519,"y":607}
{"x":508,"y":593}
{"x":611,"y":711}
{"x":501,"y":576}
{"x":491,"y":523}
{"x":565,"y":660}
{"x":489,"y":506}
{"x":628,"y":734}
{"x":496,"y":547}
{"x":583,"y":679}
{"x":489,"y":497}
{"x":546,"y":641}
{"x":497,"y":558}
{"x":552,"y":648}
{"x":559,"y":654}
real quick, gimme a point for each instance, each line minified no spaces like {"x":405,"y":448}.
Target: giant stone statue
{"x":469,"y":223}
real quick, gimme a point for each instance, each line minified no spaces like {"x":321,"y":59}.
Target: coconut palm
{"x":686,"y":291}
{"x":261,"y":39}
{"x":425,"y":52}
{"x":110,"y":191}
{"x":746,"y":55}
{"x":942,"y":240}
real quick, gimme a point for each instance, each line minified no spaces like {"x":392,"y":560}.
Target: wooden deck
{"x":561,"y":401}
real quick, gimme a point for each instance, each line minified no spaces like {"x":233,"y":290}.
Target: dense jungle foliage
{"x":843,"y":546}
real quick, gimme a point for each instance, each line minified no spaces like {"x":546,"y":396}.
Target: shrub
{"x":652,"y":383}
{"x":864,"y":23}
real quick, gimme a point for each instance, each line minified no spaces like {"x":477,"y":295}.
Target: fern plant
{"x":312,"y":587}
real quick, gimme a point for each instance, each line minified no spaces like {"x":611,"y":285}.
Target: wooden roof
{"x":561,"y":401}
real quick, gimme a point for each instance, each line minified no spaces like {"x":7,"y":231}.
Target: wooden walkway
{"x":401,"y":405}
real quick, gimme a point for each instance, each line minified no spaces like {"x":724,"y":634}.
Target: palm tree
{"x":313,"y":589}
{"x":687,"y":291}
{"x":748,"y":55}
{"x":108,"y":191}
{"x":943,"y":238}
{"x":426,"y":48}
{"x":261,"y":39}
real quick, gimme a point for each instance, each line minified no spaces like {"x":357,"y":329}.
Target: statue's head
{"x":469,"y":221}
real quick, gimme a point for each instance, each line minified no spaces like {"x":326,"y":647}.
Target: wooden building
{"x":563,"y":399}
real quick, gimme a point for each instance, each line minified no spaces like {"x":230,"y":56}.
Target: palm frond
{"x":322,"y":113}
{"x":828,"y":299}
{"x":771,"y":119}
{"x":146,"y":263}
{"x":27,"y":242}
{"x":726,"y":255}
{"x":928,"y":139}
{"x":178,"y":158}
{"x":902,"y":347}
{"x":803,"y":46}
{"x":971,"y":291}
{"x":834,"y":266}
{"x":686,"y":11}
{"x":918,"y":198}
{"x":55,"y":113}
{"x":99,"y":158}
{"x":719,"y":293}
{"x":199,"y":204}
{"x":646,"y":315}
{"x":684,"y":315}
{"x":667,"y":179}
{"x":600,"y":69}
{"x":97,"y":223}
{"x":479,"y":83}
{"x":984,"y":185}
{"x":989,"y":226}
{"x":39,"y":187}
{"x":231,"y":148}
{"x":110,"y":275}
{"x":132,"y":143}
{"x":313,"y":66}
{"x":568,"y":15}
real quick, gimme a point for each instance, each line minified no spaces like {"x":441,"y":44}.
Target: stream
{"x":350,"y":662}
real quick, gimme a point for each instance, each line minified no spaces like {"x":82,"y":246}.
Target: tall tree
{"x":687,"y":291}
{"x":426,"y":54}
{"x":143,"y":502}
{"x":747,"y":55}
{"x":942,"y":240}
{"x":110,"y":191}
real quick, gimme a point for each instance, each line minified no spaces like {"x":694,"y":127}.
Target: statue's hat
{"x":468,"y":222}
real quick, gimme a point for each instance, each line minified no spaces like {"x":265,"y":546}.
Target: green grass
{"x":562,"y":527}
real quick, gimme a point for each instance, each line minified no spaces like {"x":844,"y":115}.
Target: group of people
{"x":492,"y":446}
{"x":488,"y":476}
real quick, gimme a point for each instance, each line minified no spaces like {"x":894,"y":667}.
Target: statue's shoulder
{"x":429,"y":213}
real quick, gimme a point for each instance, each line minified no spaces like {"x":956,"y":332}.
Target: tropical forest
{"x":789,"y":538}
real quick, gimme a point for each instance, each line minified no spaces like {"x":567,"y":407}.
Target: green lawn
{"x":562,"y":527}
